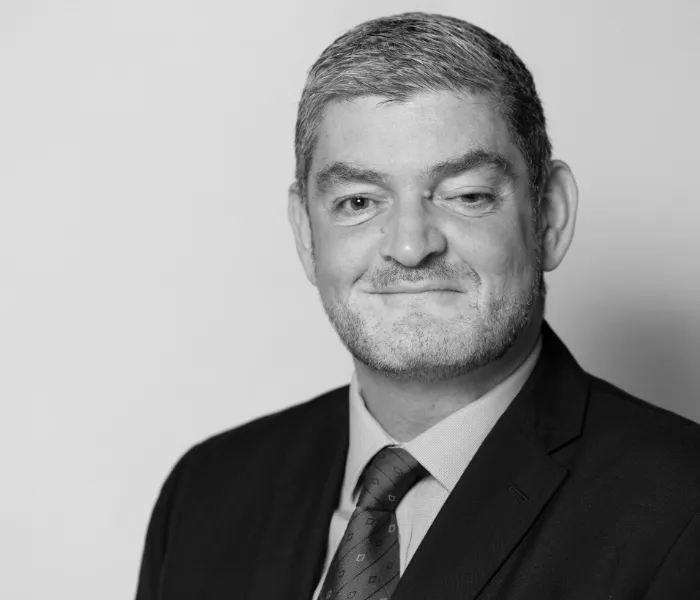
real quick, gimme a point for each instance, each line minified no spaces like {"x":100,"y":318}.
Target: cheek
{"x":341,"y":258}
{"x":503,"y":256}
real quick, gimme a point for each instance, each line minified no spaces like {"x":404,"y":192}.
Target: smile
{"x":425,"y":293}
{"x":421,"y":288}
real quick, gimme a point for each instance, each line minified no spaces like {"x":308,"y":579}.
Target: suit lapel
{"x":506,"y":486}
{"x":293,"y":544}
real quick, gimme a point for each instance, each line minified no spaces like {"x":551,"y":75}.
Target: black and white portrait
{"x":330,"y":300}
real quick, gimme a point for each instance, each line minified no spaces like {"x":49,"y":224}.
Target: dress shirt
{"x":445,"y":450}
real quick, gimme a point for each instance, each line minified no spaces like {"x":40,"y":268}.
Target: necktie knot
{"x":388,"y":477}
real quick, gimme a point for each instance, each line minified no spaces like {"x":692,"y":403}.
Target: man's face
{"x":428,"y":193}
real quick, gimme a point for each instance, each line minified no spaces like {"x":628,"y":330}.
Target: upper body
{"x":578,"y":491}
{"x":426,"y":210}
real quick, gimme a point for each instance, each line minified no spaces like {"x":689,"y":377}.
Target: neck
{"x":405,"y":409}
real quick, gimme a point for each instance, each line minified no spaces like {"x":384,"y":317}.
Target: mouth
{"x":416,"y":289}
{"x":427,"y":293}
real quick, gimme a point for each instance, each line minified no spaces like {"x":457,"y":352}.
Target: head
{"x":423,"y":161}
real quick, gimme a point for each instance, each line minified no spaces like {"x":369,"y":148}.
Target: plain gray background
{"x":151,"y":293}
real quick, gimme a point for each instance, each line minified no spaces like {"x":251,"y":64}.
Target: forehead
{"x":402,"y":138}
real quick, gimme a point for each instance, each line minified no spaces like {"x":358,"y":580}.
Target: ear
{"x":298,"y":214}
{"x":557,"y":214}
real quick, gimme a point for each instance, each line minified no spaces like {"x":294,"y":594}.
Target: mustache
{"x":438,"y":272}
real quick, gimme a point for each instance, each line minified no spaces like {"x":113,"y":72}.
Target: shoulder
{"x":643,"y":443}
{"x":274,"y":430}
{"x":258,"y":438}
{"x":634,"y":418}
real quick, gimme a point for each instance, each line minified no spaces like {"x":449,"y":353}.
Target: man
{"x":470,"y":456}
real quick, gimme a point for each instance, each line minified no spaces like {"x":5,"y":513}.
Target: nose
{"x":411,"y":235}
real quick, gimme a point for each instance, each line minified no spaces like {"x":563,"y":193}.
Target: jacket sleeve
{"x":678,"y":576}
{"x":156,"y":544}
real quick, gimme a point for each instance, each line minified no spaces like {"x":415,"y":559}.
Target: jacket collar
{"x":506,"y":486}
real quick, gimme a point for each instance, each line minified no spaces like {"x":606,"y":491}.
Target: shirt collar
{"x":446,"y":448}
{"x":367,"y":437}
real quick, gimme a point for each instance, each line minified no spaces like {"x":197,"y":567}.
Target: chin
{"x":429,"y":355}
{"x":423,"y":349}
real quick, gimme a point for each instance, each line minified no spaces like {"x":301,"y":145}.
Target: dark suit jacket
{"x":580,"y":492}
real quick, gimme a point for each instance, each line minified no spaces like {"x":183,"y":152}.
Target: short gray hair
{"x":401,"y":55}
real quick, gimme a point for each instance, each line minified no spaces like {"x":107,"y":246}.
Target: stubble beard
{"x":421,"y":347}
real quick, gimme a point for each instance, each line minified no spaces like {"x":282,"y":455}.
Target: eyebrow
{"x":345,"y":172}
{"x":472,"y":161}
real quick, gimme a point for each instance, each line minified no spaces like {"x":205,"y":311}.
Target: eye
{"x":354,"y":205}
{"x":474,"y":198}
{"x":471,"y":202}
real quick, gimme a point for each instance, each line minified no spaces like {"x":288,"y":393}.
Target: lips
{"x":406,"y":288}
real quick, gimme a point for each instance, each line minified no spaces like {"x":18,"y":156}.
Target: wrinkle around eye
{"x":343,"y":214}
{"x":484,"y":204}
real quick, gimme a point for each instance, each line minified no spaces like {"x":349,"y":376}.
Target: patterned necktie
{"x":366,"y":564}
